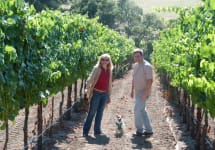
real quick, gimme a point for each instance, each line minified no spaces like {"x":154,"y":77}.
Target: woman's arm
{"x":90,"y":78}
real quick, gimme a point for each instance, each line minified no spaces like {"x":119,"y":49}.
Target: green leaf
{"x":19,"y":3}
{"x":10,"y":51}
{"x":212,"y":4}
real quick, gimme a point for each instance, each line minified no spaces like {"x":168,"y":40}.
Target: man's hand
{"x":132,"y":94}
{"x":147,"y":89}
{"x":144,"y":97}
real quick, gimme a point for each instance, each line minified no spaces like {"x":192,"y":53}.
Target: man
{"x":141,"y":87}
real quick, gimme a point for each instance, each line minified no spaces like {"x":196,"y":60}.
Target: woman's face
{"x":105,"y":61}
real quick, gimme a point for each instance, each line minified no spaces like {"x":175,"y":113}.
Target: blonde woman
{"x":99,"y":84}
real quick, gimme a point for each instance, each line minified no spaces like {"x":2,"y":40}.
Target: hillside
{"x":149,"y":5}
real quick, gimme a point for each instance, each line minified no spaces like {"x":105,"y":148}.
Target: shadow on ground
{"x":98,"y":139}
{"x":141,"y":142}
{"x":62,"y":134}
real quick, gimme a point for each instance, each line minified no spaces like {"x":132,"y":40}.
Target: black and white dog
{"x":120,"y":126}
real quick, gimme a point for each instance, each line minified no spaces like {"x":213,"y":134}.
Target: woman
{"x":99,"y":85}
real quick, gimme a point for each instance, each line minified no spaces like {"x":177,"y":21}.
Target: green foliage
{"x":124,"y":17}
{"x":44,"y":4}
{"x":106,"y":10}
{"x":145,"y":32}
{"x":186,"y":53}
{"x":42,"y":53}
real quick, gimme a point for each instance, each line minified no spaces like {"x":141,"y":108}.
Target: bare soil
{"x":69,"y":136}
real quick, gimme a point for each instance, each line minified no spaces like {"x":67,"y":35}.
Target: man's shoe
{"x":85,"y":135}
{"x":138,"y":134}
{"x":147,"y":133}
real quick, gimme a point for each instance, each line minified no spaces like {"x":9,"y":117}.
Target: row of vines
{"x":42,"y":53}
{"x":185,"y":56}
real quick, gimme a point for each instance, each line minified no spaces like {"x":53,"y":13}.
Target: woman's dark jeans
{"x":97,"y":105}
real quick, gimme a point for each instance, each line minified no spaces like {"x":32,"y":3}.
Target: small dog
{"x":120,"y":126}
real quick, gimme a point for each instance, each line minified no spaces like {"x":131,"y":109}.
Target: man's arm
{"x":147,"y":89}
{"x":132,"y":89}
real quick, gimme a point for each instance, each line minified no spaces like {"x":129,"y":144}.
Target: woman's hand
{"x":108,"y":101}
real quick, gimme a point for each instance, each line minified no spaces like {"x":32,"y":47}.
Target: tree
{"x":107,"y":12}
{"x":43,"y":4}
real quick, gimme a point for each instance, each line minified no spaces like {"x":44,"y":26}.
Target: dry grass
{"x":149,"y":5}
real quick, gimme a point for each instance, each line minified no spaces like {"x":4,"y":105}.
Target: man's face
{"x":138,"y":57}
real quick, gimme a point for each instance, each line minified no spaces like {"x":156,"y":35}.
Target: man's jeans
{"x":97,"y":105}
{"x":142,"y":122}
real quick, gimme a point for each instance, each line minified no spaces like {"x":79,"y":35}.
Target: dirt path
{"x":162,"y":139}
{"x":168,"y":135}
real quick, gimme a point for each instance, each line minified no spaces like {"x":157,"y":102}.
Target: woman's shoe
{"x":99,"y":133}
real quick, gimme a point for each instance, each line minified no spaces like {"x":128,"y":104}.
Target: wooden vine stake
{"x":7,"y":134}
{"x":52,"y":116}
{"x":40,"y":124}
{"x":25,"y":128}
{"x":204,"y":133}
{"x":61,"y":109}
{"x":75,"y":90}
{"x":69,"y":102}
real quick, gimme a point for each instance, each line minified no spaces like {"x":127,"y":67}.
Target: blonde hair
{"x":110,"y":64}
